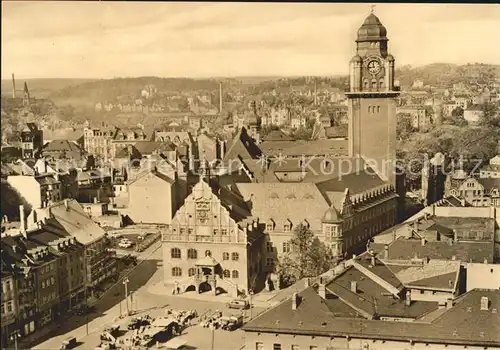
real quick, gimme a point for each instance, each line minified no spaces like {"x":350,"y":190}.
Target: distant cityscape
{"x":356,"y":212}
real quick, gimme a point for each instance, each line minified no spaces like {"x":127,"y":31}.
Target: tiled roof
{"x":457,"y":325}
{"x":76,"y":222}
{"x":358,"y":182}
{"x":277,"y":135}
{"x":61,"y":146}
{"x":306,"y":148}
{"x":242,"y":146}
{"x":152,"y":172}
{"x":406,"y":249}
{"x":435,"y":273}
{"x":282,"y":202}
{"x":371,"y":298}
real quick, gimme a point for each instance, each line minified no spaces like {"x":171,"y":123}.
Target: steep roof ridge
{"x":381,"y":282}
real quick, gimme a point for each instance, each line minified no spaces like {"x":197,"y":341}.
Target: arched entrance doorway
{"x":204,"y":287}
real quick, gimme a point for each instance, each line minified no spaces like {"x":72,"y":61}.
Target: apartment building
{"x":31,"y":140}
{"x":97,"y":141}
{"x":40,"y":190}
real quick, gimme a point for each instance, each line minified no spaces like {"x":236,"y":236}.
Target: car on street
{"x":241,"y":304}
{"x":125,"y":244}
{"x":143,"y":236}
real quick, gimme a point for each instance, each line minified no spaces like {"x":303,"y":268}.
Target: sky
{"x":127,"y":39}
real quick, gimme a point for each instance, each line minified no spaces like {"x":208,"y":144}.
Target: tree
{"x":308,"y":257}
{"x":457,"y":112}
{"x":404,"y":126}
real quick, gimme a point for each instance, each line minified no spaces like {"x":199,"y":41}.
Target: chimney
{"x":386,"y":252}
{"x":306,"y":282}
{"x":354,"y":257}
{"x":422,"y":241}
{"x":22,"y":218}
{"x":354,"y":286}
{"x":222,"y":146}
{"x":485,"y":261}
{"x":13,"y":86}
{"x":322,"y":290}
{"x":66,"y":204}
{"x":416,"y":226}
{"x":295,"y":301}
{"x":373,"y":261}
{"x":454,"y":257}
{"x":5,"y":219}
{"x":408,"y":298}
{"x":449,"y":303}
{"x":96,"y":200}
{"x":220,"y":97}
{"x":485,"y":303}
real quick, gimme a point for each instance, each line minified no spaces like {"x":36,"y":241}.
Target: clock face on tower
{"x":373,"y":67}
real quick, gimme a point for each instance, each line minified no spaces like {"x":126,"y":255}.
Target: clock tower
{"x":372,"y":103}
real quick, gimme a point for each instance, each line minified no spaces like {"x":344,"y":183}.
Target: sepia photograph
{"x":250,"y":175}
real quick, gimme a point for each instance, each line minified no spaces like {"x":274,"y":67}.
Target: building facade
{"x":31,"y":140}
{"x":211,"y":246}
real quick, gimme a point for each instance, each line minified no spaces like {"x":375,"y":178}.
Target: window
{"x":235,"y":274}
{"x":182,"y":231}
{"x":374,"y":84}
{"x":286,"y":247}
{"x":224,"y":231}
{"x":43,"y":284}
{"x":7,"y":286}
{"x":365,"y":84}
{"x":235,"y":256}
{"x":9,"y":306}
{"x":192,"y":271}
{"x":313,"y":347}
{"x":295,"y":347}
{"x":52,"y":281}
{"x":190,"y":231}
{"x":225,"y":256}
{"x":286,"y":228}
{"x":227,"y":274}
{"x":176,"y":271}
{"x":175,"y":253}
{"x":276,"y":346}
{"x":270,"y":261}
{"x":378,"y":109}
{"x":259,"y":346}
{"x":208,"y":253}
{"x":269,"y":247}
{"x":216,"y":231}
{"x":381,"y":84}
{"x":192,"y":253}
{"x":269,"y":226}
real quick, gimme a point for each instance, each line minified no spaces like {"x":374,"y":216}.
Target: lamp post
{"x":14,"y":336}
{"x":125,"y":283}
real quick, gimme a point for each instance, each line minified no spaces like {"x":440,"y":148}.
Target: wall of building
{"x":483,"y":276}
{"x":216,"y":249}
{"x":151,"y":200}
{"x":270,"y":341}
{"x":28,"y":188}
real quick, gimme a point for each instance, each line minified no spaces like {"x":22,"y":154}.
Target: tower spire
{"x":372,"y":8}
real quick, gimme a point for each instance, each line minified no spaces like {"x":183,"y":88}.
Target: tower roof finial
{"x":372,"y":8}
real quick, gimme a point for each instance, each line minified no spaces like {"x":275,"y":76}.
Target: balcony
{"x":166,"y":237}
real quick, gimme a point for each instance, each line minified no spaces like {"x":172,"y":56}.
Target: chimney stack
{"x":454,"y":257}
{"x":96,"y":200}
{"x":220,"y":97}
{"x":322,"y":291}
{"x":386,"y":252}
{"x":485,"y":304}
{"x":66,"y":204}
{"x":408,"y":298}
{"x":22,"y":218}
{"x":485,"y":261}
{"x":13,"y":86}
{"x":295,"y":298}
{"x":354,"y":286}
{"x":306,"y":282}
{"x":449,"y":303}
{"x":373,"y":261}
{"x":5,"y":219}
{"x":423,"y":241}
{"x":354,"y":257}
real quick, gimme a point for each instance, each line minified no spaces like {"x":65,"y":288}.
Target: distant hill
{"x":41,"y":88}
{"x":445,"y":74}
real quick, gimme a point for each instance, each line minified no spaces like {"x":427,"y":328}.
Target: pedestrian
{"x":178,"y":290}
{"x":173,"y":291}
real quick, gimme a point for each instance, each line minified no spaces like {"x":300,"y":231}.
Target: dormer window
{"x":269,"y":226}
{"x":287,"y":227}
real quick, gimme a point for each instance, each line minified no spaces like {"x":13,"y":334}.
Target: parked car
{"x":115,"y":235}
{"x":69,"y":343}
{"x":238,"y":304}
{"x":84,"y":310}
{"x":125,"y":244}
{"x":143,"y":236}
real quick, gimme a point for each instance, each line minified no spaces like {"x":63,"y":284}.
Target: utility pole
{"x":251,"y":293}
{"x":15,"y":335}
{"x":125,"y":283}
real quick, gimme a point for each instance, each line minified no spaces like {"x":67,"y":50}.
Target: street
{"x":111,"y":304}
